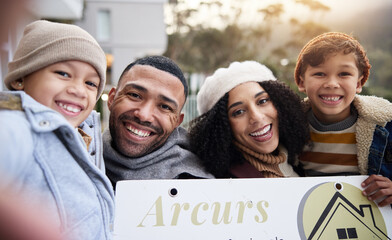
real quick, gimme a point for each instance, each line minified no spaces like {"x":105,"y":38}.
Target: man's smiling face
{"x":144,"y":110}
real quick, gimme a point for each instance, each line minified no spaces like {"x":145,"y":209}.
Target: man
{"x":144,"y":140}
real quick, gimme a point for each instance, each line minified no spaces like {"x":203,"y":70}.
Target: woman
{"x":250,"y":124}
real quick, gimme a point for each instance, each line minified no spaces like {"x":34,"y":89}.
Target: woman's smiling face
{"x":253,"y":117}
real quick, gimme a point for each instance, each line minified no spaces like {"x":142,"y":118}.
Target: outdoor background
{"x":206,"y":35}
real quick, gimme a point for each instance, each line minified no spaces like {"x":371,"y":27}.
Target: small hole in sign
{"x":338,"y":186}
{"x":173,"y":192}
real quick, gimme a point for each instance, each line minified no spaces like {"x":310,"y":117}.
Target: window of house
{"x":103,"y":25}
{"x":347,"y":233}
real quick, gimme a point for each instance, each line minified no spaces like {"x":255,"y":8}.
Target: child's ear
{"x":359,"y":85}
{"x":301,"y":85}
{"x":18,"y":84}
{"x":112,"y":94}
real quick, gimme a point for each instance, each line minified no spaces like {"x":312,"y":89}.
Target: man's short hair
{"x":161,"y":63}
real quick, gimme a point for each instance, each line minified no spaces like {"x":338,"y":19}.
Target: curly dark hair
{"x":212,"y":139}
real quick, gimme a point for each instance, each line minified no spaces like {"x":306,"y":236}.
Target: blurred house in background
{"x":126,"y":30}
{"x":37,"y":9}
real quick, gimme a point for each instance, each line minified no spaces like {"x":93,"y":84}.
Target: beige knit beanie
{"x":225,"y":79}
{"x":45,"y":43}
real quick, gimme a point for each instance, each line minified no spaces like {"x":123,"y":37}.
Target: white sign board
{"x":249,"y":209}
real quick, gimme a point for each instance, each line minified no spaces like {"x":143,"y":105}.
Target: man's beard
{"x":130,"y":148}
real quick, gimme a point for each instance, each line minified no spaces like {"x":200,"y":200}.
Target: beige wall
{"x":137,"y":29}
{"x":38,"y":9}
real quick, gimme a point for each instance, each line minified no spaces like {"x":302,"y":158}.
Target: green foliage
{"x":381,"y":71}
{"x":202,"y":47}
{"x":210,"y":48}
{"x":314,"y":5}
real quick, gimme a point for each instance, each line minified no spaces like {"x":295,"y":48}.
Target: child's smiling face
{"x":68,"y":87}
{"x":331,"y":86}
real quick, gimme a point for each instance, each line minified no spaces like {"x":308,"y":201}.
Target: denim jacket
{"x":44,"y":158}
{"x":373,"y":134}
{"x":380,"y":152}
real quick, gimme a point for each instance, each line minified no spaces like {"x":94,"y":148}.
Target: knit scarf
{"x":268,"y":164}
{"x":167,"y":162}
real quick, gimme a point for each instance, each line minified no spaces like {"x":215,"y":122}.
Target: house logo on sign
{"x":339,"y":211}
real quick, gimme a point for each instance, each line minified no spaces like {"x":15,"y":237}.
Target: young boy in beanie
{"x":51,"y":147}
{"x":350,"y":134}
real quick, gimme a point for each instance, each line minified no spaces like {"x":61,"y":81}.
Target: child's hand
{"x":378,"y":187}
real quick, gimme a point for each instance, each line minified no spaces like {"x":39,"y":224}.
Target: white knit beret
{"x":225,"y":79}
{"x":44,"y":43}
